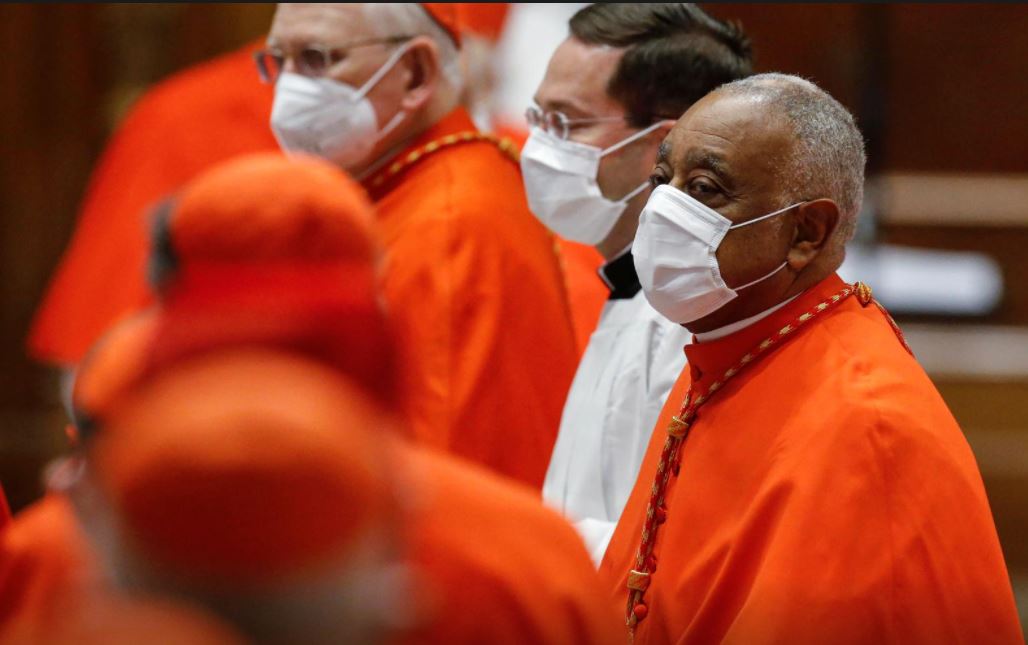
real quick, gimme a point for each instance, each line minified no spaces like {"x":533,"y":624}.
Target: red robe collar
{"x":455,"y":122}
{"x":711,"y":359}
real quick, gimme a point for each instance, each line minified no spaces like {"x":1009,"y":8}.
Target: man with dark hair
{"x":611,"y":92}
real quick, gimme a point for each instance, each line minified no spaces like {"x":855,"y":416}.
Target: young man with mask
{"x":471,"y":278}
{"x":805,"y":482}
{"x":611,"y":93}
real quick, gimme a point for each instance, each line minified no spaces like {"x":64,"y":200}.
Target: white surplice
{"x":628,"y":368}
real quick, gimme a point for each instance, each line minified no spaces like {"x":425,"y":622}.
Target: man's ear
{"x":816,"y":222}
{"x":423,"y":72}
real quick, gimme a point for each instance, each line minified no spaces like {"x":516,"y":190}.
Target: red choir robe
{"x":474,"y":286}
{"x":43,"y":553}
{"x":183,"y":125}
{"x":825,"y":494}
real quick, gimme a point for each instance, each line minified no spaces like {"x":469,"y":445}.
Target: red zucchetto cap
{"x":448,"y":16}
{"x":267,"y":208}
{"x":261,"y":251}
{"x":280,"y":250}
{"x":483,"y":19}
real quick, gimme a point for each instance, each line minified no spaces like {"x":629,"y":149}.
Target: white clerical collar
{"x":739,"y":325}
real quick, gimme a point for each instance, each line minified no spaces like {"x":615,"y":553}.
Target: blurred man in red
{"x":233,"y":263}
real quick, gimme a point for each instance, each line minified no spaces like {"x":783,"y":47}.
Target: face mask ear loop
{"x":643,"y":186}
{"x":393,"y":122}
{"x":750,"y":284}
{"x":382,"y":71}
{"x":638,"y":135}
{"x":762,"y":217}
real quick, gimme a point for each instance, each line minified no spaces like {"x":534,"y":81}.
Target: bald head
{"x":824,"y":156}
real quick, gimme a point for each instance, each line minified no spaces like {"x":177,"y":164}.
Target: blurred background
{"x":938,"y":90}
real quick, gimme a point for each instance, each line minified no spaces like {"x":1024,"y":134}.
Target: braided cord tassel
{"x":505,"y":145}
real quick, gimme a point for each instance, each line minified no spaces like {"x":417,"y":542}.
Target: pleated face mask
{"x":560,"y":183}
{"x":329,"y":118}
{"x":675,"y":253}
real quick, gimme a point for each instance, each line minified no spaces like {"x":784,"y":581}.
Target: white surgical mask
{"x":328,"y":118}
{"x":560,"y":183}
{"x":675,"y":255}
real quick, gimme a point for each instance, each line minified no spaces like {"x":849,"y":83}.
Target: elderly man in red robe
{"x":805,"y":482}
{"x":471,"y":277}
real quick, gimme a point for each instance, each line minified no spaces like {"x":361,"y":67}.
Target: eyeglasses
{"x":558,"y":124}
{"x":313,"y":60}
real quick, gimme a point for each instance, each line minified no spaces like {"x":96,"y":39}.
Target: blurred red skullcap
{"x":484,"y":19}
{"x":448,"y":16}
{"x":262,"y":250}
{"x":275,"y":250}
{"x":119,"y":360}
{"x":245,"y":467}
{"x":267,"y":207}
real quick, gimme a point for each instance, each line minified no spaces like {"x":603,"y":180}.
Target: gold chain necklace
{"x":506,"y":146}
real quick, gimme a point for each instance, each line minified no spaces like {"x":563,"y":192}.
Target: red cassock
{"x":185,"y":124}
{"x":473,"y":283}
{"x":824,"y":494}
{"x":497,"y":566}
{"x":491,"y":564}
{"x":43,"y":554}
{"x":52,"y":591}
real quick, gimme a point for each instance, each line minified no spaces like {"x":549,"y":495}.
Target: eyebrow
{"x":663,"y":152}
{"x":710,"y":161}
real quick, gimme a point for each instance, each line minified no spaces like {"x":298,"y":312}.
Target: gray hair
{"x":410,"y":18}
{"x":827,"y":159}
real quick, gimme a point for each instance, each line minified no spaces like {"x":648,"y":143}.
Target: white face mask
{"x":675,"y":255}
{"x":328,"y":118}
{"x":560,"y":183}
